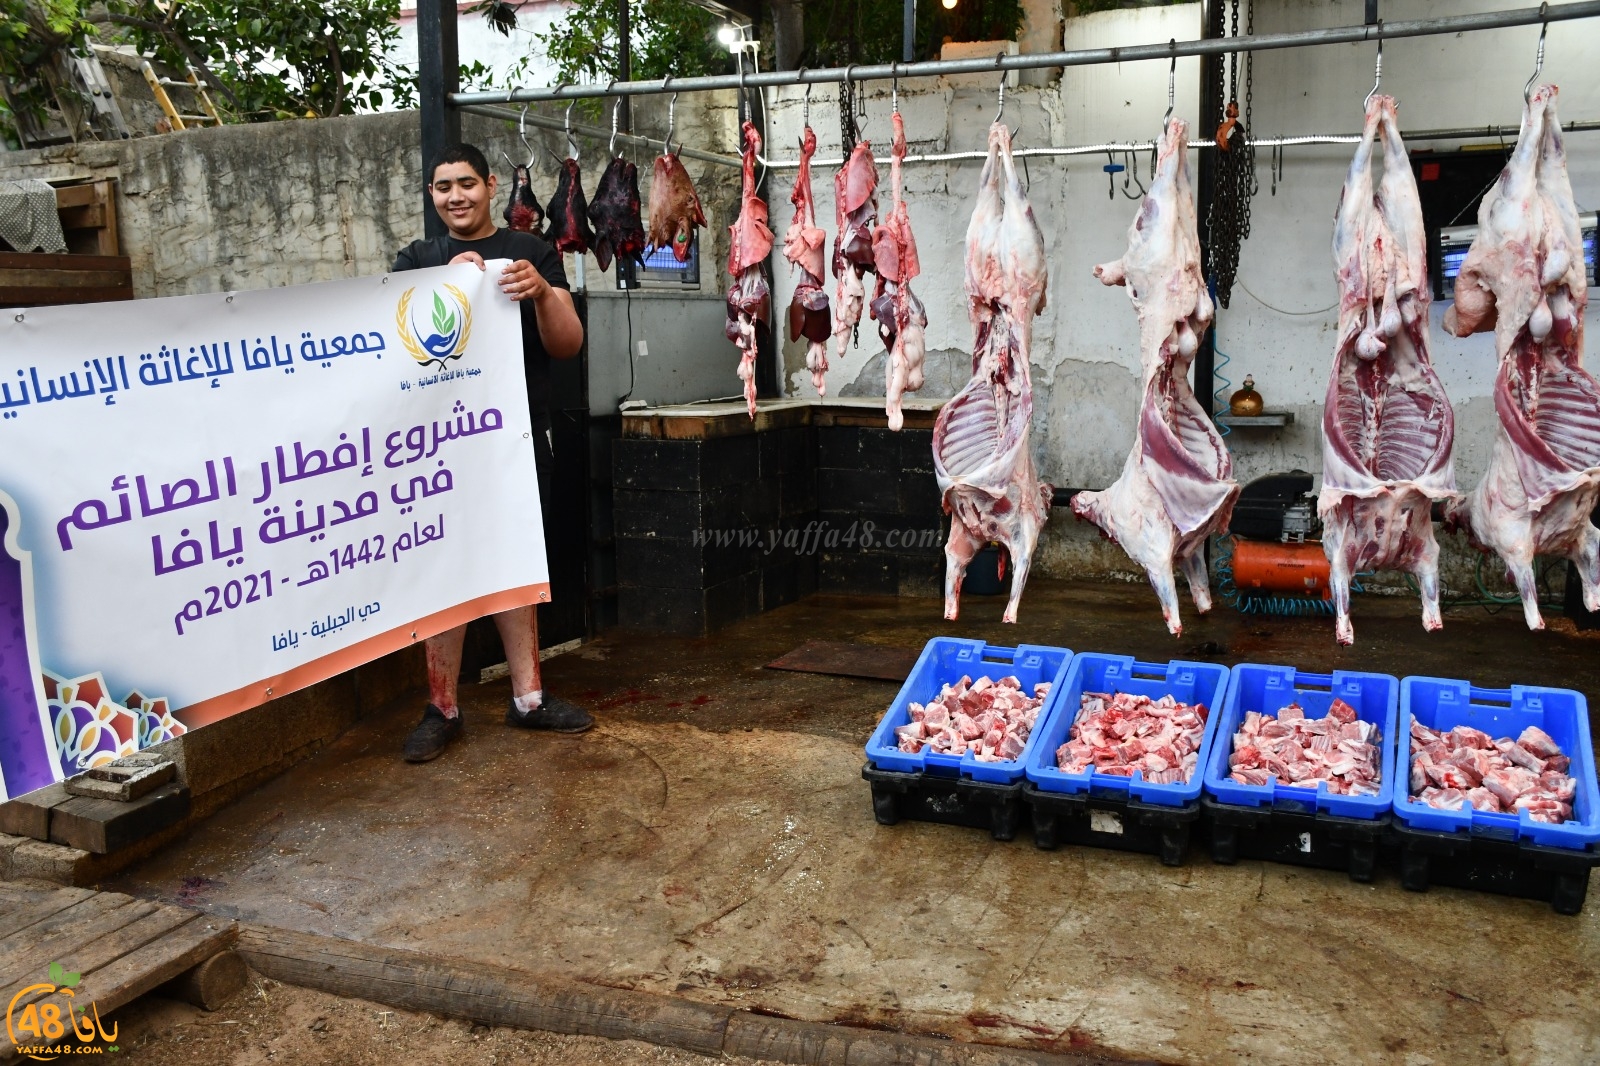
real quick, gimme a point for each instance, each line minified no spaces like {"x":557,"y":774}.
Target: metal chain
{"x":1228,"y":220}
{"x":847,"y":117}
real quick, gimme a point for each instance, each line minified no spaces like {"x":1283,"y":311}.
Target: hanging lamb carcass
{"x":981,"y":455}
{"x":1177,"y":485}
{"x":1524,"y":278}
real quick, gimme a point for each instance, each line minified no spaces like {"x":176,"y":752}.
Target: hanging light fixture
{"x":949,"y":5}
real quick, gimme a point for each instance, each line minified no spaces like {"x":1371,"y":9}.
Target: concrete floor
{"x":713,"y":839}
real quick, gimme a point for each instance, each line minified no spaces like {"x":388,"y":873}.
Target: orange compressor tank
{"x":1287,"y":568}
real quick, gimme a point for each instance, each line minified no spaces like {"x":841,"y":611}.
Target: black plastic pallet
{"x":1559,"y":876}
{"x":1297,"y":838}
{"x":946,"y":800}
{"x":1111,"y":822}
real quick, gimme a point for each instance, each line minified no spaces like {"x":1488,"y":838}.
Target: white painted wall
{"x":1283,"y":315}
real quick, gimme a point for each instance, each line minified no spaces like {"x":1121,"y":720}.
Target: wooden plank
{"x":12,"y":278}
{"x":494,"y":995}
{"x":88,"y":216}
{"x":99,"y":953}
{"x":30,"y":914}
{"x":109,"y":242}
{"x":25,"y":297}
{"x":846,"y":659}
{"x":104,"y":826}
{"x":27,"y":953}
{"x":78,"y":195}
{"x":28,"y":815}
{"x":63,"y":261}
{"x":145,"y":968}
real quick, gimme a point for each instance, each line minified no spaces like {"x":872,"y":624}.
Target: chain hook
{"x":1172,"y":84}
{"x":1377,"y":70}
{"x":805,"y":112}
{"x":894,"y":88}
{"x":572,"y":142}
{"x":616,"y":110}
{"x":1538,"y":60}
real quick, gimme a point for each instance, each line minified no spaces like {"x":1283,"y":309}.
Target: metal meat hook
{"x":894,"y":88}
{"x":805,"y":113}
{"x":616,"y":110}
{"x":522,"y":132}
{"x":1377,"y":70}
{"x":1538,"y":61}
{"x":1172,"y":84}
{"x":1004,"y":75}
{"x":672,"y":117}
{"x":572,"y":142}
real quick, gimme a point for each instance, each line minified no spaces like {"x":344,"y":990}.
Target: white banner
{"x":209,"y":501}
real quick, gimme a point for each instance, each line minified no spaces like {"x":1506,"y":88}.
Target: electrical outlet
{"x":644,"y":350}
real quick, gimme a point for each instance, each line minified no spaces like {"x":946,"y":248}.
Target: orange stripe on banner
{"x":242,"y":699}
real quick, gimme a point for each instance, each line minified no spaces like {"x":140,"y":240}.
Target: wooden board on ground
{"x":846,"y":659}
{"x":103,"y":826}
{"x":120,"y":946}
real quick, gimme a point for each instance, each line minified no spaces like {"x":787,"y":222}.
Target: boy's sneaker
{"x":554,"y":714}
{"x":432,"y":735}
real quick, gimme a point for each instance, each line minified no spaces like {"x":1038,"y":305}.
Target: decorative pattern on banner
{"x":223,"y":498}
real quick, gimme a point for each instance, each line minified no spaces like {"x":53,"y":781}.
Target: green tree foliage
{"x":281,"y":58}
{"x":668,"y":37}
{"x":31,"y":33}
{"x":839,"y":32}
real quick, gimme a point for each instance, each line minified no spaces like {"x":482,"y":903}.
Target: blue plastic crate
{"x":1185,"y":682}
{"x":1267,"y":690}
{"x":1442,"y":704}
{"x":945,"y":660}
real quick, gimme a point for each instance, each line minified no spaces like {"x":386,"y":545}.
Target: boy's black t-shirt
{"x":506,"y":244}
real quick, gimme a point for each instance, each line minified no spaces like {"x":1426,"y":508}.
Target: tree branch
{"x":183,"y":46}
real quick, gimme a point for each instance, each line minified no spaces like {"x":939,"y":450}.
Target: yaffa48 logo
{"x":39,"y":1017}
{"x":447,"y":325}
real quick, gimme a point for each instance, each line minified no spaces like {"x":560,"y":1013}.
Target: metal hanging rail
{"x":1488,"y":20}
{"x":595,"y":132}
{"x":1457,"y":133}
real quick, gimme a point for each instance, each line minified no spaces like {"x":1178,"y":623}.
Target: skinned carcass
{"x":1387,"y":426}
{"x":569,"y":213}
{"x":750,"y":298}
{"x":802,"y":246}
{"x":902,"y":320}
{"x":980,"y":439}
{"x":614,"y":212}
{"x":1524,"y":279}
{"x":674,"y":207}
{"x":523,"y":212}
{"x":1177,"y":485}
{"x":855,"y":209}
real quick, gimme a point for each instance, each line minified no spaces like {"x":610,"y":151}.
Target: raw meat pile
{"x":1387,"y":426}
{"x":569,"y":213}
{"x":1524,"y":279}
{"x":902,"y":320}
{"x":1338,"y":749}
{"x":615,"y":214}
{"x":523,"y":212}
{"x":856,"y":212}
{"x":991,"y":719}
{"x":1466,"y":768}
{"x":802,"y":246}
{"x":1177,"y":485}
{"x":749,"y":299}
{"x":980,"y":439}
{"x":674,"y":207}
{"x":1119,"y":733}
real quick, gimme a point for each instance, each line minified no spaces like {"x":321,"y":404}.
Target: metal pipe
{"x":908,"y":32}
{"x":1488,"y":20}
{"x":1460,"y":133}
{"x":544,"y":122}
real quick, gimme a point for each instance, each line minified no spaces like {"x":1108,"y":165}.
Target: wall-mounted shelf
{"x":1267,"y":419}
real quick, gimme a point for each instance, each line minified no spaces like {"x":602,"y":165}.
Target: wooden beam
{"x":491,"y":994}
{"x":104,"y":826}
{"x":28,"y":297}
{"x":28,"y":815}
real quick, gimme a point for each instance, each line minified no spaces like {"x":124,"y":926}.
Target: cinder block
{"x":50,"y":862}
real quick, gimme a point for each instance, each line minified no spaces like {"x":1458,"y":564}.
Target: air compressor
{"x":1273,"y":556}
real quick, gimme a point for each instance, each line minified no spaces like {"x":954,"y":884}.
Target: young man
{"x":463,"y":193}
